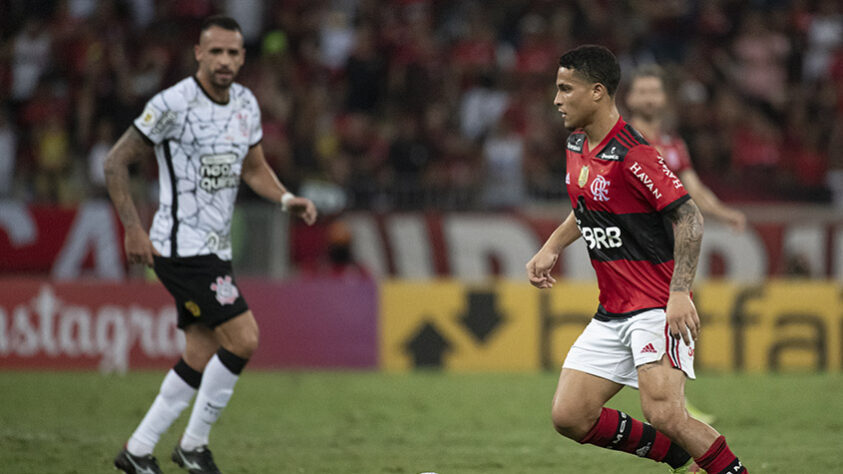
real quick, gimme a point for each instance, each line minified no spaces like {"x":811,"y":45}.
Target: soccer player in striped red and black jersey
{"x":643,"y":234}
{"x":647,"y":101}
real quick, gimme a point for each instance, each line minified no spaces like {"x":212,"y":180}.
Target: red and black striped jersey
{"x":620,"y":191}
{"x":674,"y":150}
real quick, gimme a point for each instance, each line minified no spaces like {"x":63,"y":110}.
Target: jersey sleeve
{"x":649,"y":176}
{"x":160,"y":118}
{"x":256,"y":132}
{"x":679,"y":155}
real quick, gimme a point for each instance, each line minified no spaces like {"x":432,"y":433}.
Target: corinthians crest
{"x":226,"y":291}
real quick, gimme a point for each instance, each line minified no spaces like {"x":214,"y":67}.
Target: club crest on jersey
{"x":226,"y":292}
{"x":600,"y":188}
{"x":583,"y":176}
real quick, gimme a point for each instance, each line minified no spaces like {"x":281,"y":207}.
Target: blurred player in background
{"x":206,"y":134}
{"x":643,"y":233}
{"x":647,"y":102}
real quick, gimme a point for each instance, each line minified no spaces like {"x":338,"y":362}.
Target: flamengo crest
{"x":600,"y":188}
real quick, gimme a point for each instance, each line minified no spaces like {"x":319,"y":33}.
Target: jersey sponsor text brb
{"x":601,"y":238}
{"x":200,"y":145}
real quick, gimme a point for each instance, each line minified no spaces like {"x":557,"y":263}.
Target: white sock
{"x":173,"y":397}
{"x":214,"y":393}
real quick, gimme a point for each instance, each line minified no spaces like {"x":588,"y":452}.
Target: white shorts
{"x":614,"y":349}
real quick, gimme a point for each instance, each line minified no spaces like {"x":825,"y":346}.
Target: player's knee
{"x":572,"y":422}
{"x":197,"y":356}
{"x":662,"y":416}
{"x":247,"y":343}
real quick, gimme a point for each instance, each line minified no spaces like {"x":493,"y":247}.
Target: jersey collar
{"x":588,"y":151}
{"x":199,"y":83}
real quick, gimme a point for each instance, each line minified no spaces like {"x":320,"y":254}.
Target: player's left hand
{"x":736,"y":220}
{"x":304,"y":209}
{"x":682,"y":317}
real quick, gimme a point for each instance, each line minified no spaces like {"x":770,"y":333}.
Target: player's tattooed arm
{"x":688,"y":232}
{"x":130,"y":148}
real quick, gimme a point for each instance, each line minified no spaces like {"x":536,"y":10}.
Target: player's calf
{"x":619,"y":431}
{"x":719,"y":459}
{"x":668,"y":417}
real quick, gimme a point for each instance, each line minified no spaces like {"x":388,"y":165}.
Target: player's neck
{"x":650,"y":128}
{"x":217,"y":94}
{"x":603,"y":123}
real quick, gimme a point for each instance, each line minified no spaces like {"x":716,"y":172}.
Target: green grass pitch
{"x":372,"y":422}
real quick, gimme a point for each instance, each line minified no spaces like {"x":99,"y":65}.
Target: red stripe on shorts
{"x":672,"y":347}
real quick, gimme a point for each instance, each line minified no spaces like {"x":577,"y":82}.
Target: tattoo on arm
{"x":688,"y":232}
{"x":130,"y":148}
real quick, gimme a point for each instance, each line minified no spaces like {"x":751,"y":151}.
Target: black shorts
{"x":203,"y":287}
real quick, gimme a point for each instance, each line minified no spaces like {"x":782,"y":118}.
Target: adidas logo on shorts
{"x":648,"y":348}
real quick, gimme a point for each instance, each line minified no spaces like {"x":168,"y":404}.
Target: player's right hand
{"x":304,"y":209}
{"x":539,"y":267}
{"x":736,"y":220}
{"x":138,"y":247}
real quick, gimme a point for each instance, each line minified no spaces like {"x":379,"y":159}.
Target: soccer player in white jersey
{"x":206,"y":133}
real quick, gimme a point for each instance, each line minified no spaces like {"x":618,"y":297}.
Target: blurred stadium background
{"x":424,"y":130}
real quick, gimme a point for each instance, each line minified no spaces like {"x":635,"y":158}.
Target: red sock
{"x":720,"y":460}
{"x":617,"y":430}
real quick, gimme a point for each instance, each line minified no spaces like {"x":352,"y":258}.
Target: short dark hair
{"x":649,"y":70}
{"x":595,"y":63}
{"x":221,"y":21}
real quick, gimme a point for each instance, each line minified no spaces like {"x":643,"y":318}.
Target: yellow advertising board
{"x":778,"y":326}
{"x":448,"y":324}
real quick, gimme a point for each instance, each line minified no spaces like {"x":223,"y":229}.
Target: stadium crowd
{"x":398,"y":104}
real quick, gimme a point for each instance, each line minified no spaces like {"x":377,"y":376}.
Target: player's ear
{"x":197,"y":51}
{"x":598,"y":90}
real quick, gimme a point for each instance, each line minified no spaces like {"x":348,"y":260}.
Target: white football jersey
{"x":200,"y":145}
